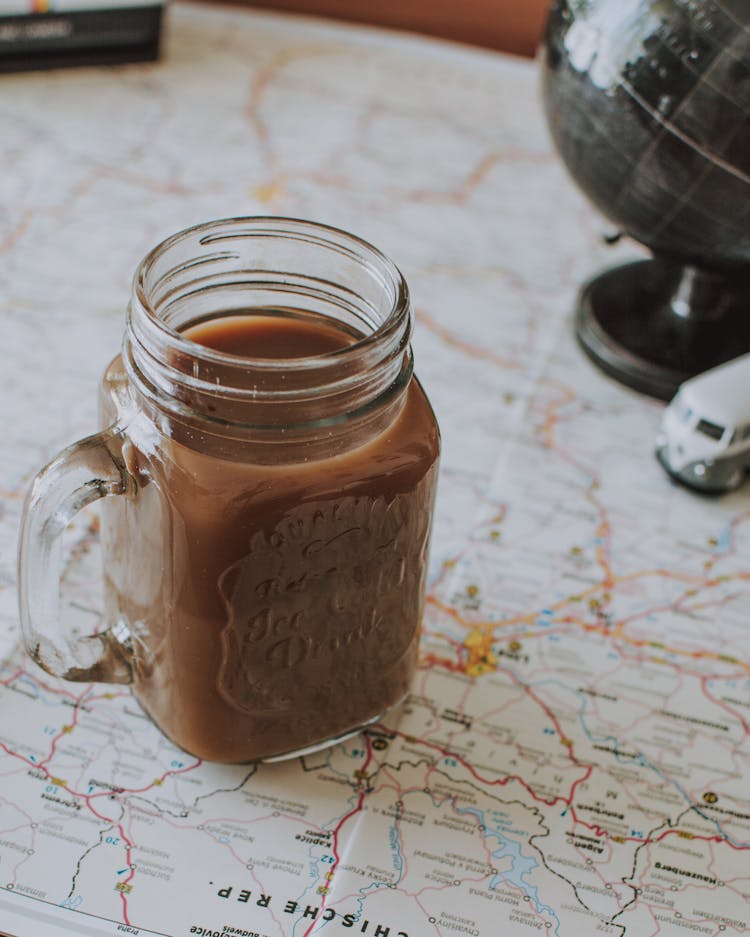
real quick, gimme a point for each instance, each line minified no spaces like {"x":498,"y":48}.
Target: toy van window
{"x":712,"y":430}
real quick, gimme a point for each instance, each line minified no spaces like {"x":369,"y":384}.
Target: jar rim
{"x":295,"y":267}
{"x":395,"y":323}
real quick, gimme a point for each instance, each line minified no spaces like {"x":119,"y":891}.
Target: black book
{"x":119,"y":31}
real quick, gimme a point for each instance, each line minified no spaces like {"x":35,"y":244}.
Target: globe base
{"x":652,"y":324}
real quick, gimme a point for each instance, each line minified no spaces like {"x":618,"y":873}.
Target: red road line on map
{"x":131,"y":873}
{"x":66,"y":729}
{"x":546,"y":429}
{"x":603,"y":533}
{"x":28,"y":761}
{"x":337,"y":829}
{"x":648,"y":840}
{"x":53,"y":690}
{"x":431,"y":660}
{"x":15,"y":676}
{"x":87,"y":798}
{"x":473,"y":351}
{"x":157,"y":782}
{"x":616,"y":631}
{"x":722,"y":705}
{"x":568,"y":801}
{"x":106,"y":793}
{"x":465,"y":188}
{"x":604,"y":529}
{"x":501,"y":782}
{"x":42,"y":765}
{"x":703,"y":839}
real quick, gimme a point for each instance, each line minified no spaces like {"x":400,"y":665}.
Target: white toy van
{"x":704,"y":439}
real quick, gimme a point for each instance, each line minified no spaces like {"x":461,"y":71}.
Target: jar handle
{"x":90,"y":469}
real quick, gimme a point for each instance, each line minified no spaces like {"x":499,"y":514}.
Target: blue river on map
{"x":521,"y":865}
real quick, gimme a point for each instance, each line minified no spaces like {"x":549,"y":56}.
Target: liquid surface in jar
{"x":274,"y":606}
{"x":268,"y":336}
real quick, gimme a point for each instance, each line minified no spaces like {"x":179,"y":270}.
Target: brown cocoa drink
{"x":272,"y":602}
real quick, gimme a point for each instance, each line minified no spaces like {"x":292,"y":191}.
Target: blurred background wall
{"x":510,"y":25}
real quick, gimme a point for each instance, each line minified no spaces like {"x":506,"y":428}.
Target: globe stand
{"x":654,"y":323}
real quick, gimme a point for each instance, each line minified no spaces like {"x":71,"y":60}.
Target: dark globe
{"x":648,"y":102}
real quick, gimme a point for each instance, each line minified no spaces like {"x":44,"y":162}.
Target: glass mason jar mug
{"x":274,"y":461}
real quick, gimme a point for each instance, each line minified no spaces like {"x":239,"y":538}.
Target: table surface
{"x":574,"y":755}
